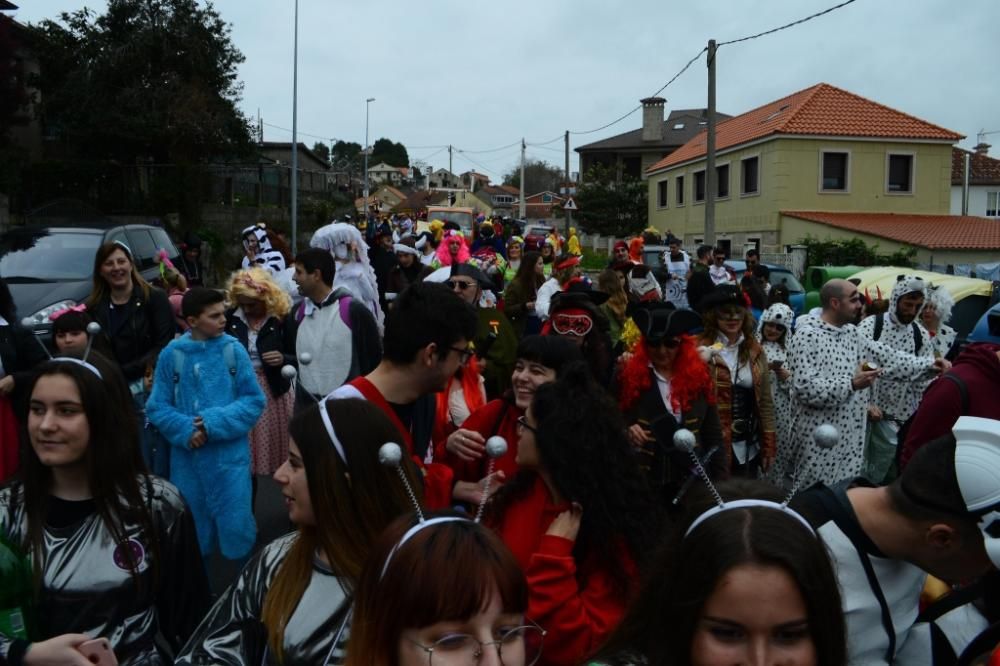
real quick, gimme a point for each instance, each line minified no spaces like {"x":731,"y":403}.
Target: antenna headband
{"x":748,"y":504}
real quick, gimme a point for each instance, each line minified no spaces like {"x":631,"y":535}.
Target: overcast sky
{"x":480,"y":75}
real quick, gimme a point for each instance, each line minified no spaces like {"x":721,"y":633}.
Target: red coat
{"x":578,"y":618}
{"x":497,"y":417}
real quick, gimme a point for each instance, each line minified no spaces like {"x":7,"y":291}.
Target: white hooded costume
{"x":898,"y":398}
{"x":823,"y":359}
{"x":943,"y":302}
{"x":781,"y":389}
{"x":354,"y":272}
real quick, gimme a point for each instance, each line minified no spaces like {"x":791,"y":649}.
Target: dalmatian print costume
{"x":943,"y":302}
{"x":265,"y":256}
{"x":779,"y":313}
{"x":823,"y":359}
{"x":898,"y":399}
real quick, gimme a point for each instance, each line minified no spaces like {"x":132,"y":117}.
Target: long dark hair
{"x":115,"y":469}
{"x":526,"y":276}
{"x":353,"y":502}
{"x":661,"y":623}
{"x":590,"y":461}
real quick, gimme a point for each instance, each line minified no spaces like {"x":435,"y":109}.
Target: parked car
{"x":535,"y":235}
{"x":49,"y":268}
{"x":987,"y":329}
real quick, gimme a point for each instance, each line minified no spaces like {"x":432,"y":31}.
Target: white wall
{"x":977,"y":199}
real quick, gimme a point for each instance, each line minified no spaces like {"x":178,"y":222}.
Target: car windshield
{"x":787,"y":279}
{"x":41,"y":255}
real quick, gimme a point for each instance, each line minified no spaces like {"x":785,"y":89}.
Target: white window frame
{"x":729,"y":184}
{"x":996,"y":205}
{"x":847,"y":183}
{"x":679,"y":190}
{"x":913,"y":172}
{"x":665,"y":183}
{"x":755,"y":193}
{"x":694,"y":187}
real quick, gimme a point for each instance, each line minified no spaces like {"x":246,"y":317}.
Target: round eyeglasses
{"x":520,"y":646}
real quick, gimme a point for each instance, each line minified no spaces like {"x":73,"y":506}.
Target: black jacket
{"x":20,"y":354}
{"x":274,"y":335}
{"x":147,"y":328}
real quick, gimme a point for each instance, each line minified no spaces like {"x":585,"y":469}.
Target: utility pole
{"x":368,"y":103}
{"x":710,"y":176}
{"x":569,"y":213}
{"x":522,"y":207}
{"x":295,"y":134}
{"x":449,"y":163}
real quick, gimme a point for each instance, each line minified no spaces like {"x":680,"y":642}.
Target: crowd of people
{"x":489,"y":456}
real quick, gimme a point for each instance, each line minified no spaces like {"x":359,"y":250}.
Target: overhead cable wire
{"x":787,"y":25}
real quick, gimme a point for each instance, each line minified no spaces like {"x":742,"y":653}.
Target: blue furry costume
{"x":214,"y":478}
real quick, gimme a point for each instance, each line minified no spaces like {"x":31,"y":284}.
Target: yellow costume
{"x":573,"y":243}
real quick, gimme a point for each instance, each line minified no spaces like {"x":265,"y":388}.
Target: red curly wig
{"x":689,"y":381}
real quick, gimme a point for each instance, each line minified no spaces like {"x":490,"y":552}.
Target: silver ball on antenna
{"x":93,"y":328}
{"x":305,"y":358}
{"x":826,"y":436}
{"x":496,"y":446}
{"x":390,"y":454}
{"x":289,"y":372}
{"x":685,"y":440}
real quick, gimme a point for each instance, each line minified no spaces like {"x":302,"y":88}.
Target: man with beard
{"x":894,"y":401}
{"x":832,"y":366}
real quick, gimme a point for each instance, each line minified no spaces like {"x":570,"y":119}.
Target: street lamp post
{"x":295,"y":135}
{"x":368,"y":103}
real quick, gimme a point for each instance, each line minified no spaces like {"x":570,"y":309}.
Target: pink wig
{"x":444,"y":256}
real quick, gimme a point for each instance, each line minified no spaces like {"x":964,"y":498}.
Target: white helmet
{"x":977,"y":468}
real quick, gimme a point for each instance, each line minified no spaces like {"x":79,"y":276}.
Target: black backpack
{"x":918,"y":339}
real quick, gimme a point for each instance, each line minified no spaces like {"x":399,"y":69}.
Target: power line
{"x":285,"y":129}
{"x":491,"y":150}
{"x":545,"y":143}
{"x":787,"y":25}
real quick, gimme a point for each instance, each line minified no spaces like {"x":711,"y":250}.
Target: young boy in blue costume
{"x":205,"y":401}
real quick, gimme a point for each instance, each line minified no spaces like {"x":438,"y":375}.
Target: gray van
{"x":49,"y":268}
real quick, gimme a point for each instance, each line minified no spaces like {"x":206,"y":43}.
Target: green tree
{"x":393,"y":154}
{"x":146,"y":81}
{"x":13,"y":99}
{"x":347,"y":157}
{"x":539,"y":176}
{"x":322,"y":151}
{"x":612,"y":208}
{"x":853,"y":251}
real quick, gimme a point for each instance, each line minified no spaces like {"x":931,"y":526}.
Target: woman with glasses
{"x":257,"y":318}
{"x":578,"y":516}
{"x":540,"y":359}
{"x":458,"y":598}
{"x":291,"y":603}
{"x":741,"y":380}
{"x":665,"y":386}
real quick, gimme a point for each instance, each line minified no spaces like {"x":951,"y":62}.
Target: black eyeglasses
{"x":465,"y":353}
{"x":462,"y":286}
{"x":669,"y":343}
{"x":522,"y":423}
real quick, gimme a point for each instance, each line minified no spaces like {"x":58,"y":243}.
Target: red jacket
{"x":578,"y":618}
{"x":438,"y":478}
{"x":497,"y":417}
{"x":977,"y":366}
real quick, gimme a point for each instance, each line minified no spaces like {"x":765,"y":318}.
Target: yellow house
{"x":820,"y":149}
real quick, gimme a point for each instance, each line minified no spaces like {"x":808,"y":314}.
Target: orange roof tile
{"x":934,"y":232}
{"x":984,"y":170}
{"x":822,"y":110}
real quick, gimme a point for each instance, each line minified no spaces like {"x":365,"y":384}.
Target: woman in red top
{"x":539,"y":360}
{"x":578,"y":517}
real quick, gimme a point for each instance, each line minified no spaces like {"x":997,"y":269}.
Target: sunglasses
{"x":669,"y":343}
{"x":461,"y":286}
{"x":730,"y":314}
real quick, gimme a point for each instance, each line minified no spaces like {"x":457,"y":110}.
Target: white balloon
{"x":305,"y":358}
{"x":496,"y":446}
{"x":390,"y":454}
{"x":93,"y":328}
{"x":826,"y":436}
{"x":289,"y":372}
{"x":685,"y":440}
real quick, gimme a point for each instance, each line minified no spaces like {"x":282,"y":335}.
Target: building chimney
{"x":982,"y":148}
{"x":652,"y":118}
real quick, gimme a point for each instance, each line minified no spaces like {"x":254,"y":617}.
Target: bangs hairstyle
{"x":112,"y":460}
{"x":526,"y":275}
{"x":245,"y":284}
{"x":353,"y":503}
{"x":552,"y":351}
{"x":446,"y":572}
{"x":661,"y":623}
{"x":100,"y":288}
